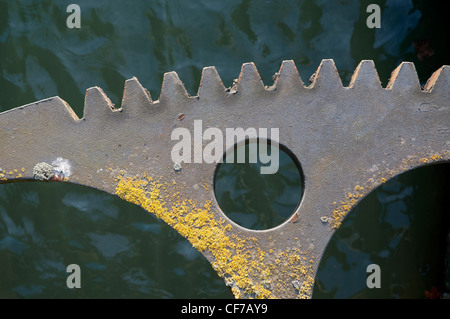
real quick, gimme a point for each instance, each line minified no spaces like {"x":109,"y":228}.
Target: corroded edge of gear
{"x":403,"y":78}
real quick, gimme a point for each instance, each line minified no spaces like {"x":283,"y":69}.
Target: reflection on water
{"x":123,"y":252}
{"x":40,"y":57}
{"x":404,"y":228}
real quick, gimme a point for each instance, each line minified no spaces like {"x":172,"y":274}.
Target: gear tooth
{"x":67,"y":107}
{"x":365,"y":76}
{"x":249,"y":81}
{"x":211,"y":85}
{"x":288,"y":76}
{"x":172,"y":87}
{"x":96,"y":104}
{"x":404,"y":78}
{"x":53,"y":105}
{"x":136,"y":99}
{"x":326,"y":75}
{"x":439,"y":81}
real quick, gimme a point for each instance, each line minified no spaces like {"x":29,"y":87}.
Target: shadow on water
{"x":403,"y":226}
{"x":122,"y":251}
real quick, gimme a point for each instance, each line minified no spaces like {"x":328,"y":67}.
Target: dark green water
{"x":122,"y":251}
{"x":255,"y":200}
{"x":403,"y":226}
{"x":44,"y":227}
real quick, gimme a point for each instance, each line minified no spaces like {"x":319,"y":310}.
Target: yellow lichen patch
{"x":436,"y":157}
{"x":341,"y":210}
{"x":236,"y":292}
{"x":300,"y":270}
{"x":345,"y":206}
{"x":430,"y":157}
{"x":245,"y":266}
{"x":351,"y":199}
{"x":205,"y":186}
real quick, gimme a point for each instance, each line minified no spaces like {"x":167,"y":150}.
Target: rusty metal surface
{"x":348,"y":140}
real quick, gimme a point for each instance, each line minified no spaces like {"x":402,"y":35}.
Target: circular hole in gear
{"x":251,"y":194}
